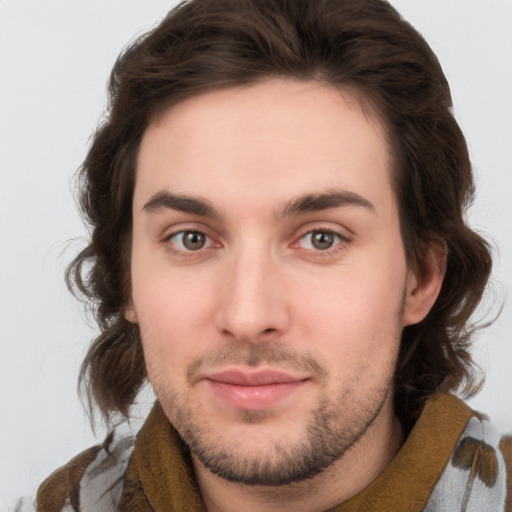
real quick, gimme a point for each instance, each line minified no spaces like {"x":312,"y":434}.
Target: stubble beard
{"x":323,"y":443}
{"x":335,"y":426}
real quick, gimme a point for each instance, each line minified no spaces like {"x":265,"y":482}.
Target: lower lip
{"x":253,"y":398}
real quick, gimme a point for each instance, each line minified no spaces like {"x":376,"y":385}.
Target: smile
{"x":253,"y":391}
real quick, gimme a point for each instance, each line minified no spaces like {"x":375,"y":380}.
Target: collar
{"x":160,"y":476}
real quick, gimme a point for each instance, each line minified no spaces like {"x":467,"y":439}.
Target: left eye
{"x":190,"y":240}
{"x":320,"y":240}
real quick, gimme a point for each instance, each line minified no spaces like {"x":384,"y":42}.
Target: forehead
{"x":273,"y":139}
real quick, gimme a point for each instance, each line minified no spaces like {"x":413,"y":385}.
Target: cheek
{"x":172,"y":314}
{"x":356,"y":313}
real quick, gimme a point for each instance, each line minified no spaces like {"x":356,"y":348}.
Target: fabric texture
{"x":453,"y":460}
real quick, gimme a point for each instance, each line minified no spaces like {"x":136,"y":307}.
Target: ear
{"x":130,"y":314}
{"x":424,"y":283}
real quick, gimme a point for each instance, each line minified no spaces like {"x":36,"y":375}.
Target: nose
{"x":252,"y":303}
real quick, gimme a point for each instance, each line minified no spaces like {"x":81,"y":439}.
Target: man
{"x":278,"y":245}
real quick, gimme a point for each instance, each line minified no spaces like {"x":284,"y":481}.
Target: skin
{"x":262,"y":281}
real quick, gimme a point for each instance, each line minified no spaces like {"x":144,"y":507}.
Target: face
{"x":268,"y":276}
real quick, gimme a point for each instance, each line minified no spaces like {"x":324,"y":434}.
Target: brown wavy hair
{"x":362,"y":46}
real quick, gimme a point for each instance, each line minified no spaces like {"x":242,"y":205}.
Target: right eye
{"x":189,"y":241}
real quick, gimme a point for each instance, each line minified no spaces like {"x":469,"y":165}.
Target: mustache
{"x":253,"y":355}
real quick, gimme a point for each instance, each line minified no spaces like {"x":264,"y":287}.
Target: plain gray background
{"x":55,"y":59}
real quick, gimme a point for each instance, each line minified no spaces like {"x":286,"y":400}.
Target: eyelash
{"x":184,"y":252}
{"x":337,"y":246}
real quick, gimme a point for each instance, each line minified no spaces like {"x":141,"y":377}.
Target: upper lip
{"x":253,"y":378}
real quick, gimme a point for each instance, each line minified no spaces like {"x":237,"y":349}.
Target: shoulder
{"x":505,"y":447}
{"x":91,"y":481}
{"x":478,"y":473}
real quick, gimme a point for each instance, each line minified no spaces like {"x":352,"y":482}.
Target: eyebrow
{"x":323,"y":201}
{"x":165,"y":200}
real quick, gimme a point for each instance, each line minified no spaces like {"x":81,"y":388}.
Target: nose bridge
{"x":251,"y":302}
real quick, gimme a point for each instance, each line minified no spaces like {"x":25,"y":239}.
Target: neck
{"x":347,"y":476}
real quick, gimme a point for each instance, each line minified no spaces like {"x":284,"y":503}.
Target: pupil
{"x":322,"y":240}
{"x":193,"y":241}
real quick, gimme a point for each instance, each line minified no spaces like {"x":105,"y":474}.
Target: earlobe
{"x":424,"y":284}
{"x":130,"y":314}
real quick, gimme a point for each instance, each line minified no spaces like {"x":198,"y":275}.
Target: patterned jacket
{"x":453,"y":460}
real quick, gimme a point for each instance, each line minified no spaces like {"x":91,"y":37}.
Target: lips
{"x":255,"y":391}
{"x":258,"y":378}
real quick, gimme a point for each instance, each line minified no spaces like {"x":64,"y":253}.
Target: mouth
{"x":253,"y":390}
